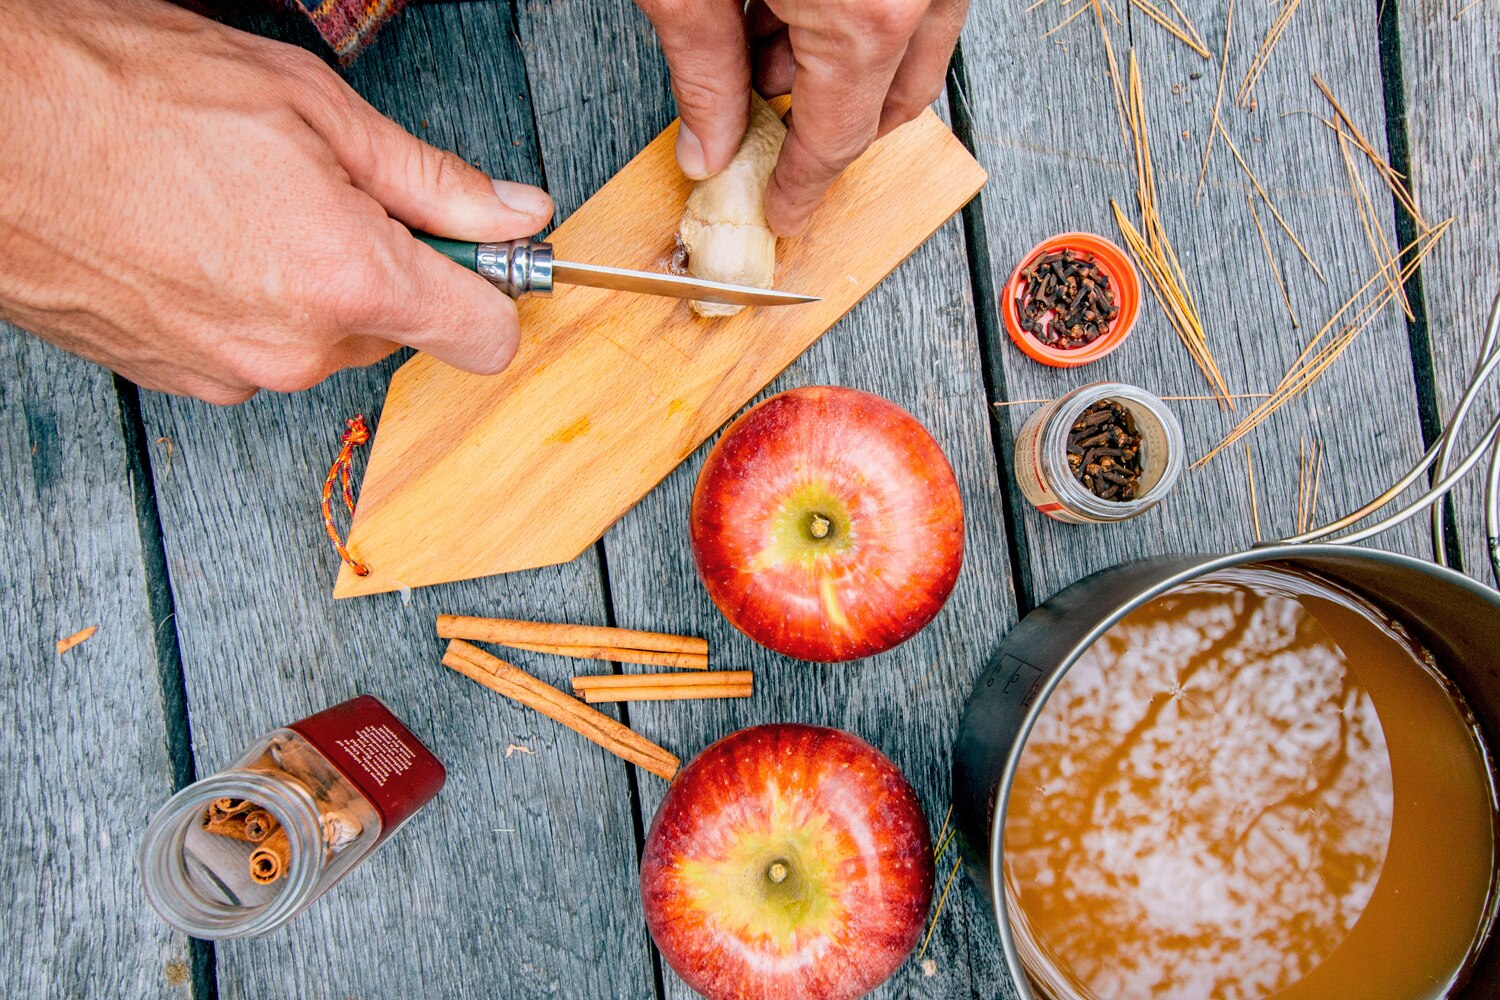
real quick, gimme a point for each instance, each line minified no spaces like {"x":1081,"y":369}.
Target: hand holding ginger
{"x":855,"y":69}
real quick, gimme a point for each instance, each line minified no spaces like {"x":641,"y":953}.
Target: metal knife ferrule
{"x":516,"y":267}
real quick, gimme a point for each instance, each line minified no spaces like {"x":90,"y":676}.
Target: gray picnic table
{"x":190,"y":535}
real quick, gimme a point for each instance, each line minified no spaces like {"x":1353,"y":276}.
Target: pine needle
{"x":939,"y":911}
{"x":1312,"y":501}
{"x":1263,"y":54}
{"x":1270,"y":259}
{"x":1169,"y":399}
{"x":1301,"y":484}
{"x":1152,"y":248}
{"x":1185,"y":33}
{"x":1218,"y":102}
{"x":1310,"y":365}
{"x":1114,"y":74}
{"x":1187,"y":25}
{"x":1270,"y":204}
{"x":943,"y":847}
{"x":1392,"y":177}
{"x":1254,"y":504}
{"x":1066,"y":21}
{"x":1309,"y":476}
{"x":1369,"y":220}
{"x":944,"y":828}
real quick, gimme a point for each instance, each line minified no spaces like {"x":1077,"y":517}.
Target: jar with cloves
{"x":243,"y":851}
{"x":1103,"y":453}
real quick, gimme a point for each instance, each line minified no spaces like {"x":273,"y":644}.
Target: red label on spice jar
{"x":378,"y":754}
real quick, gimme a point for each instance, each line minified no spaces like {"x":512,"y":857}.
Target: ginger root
{"x":724,"y":225}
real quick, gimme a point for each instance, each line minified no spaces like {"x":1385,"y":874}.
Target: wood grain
{"x":71,"y":558}
{"x":1453,"y":119}
{"x":912,"y":340}
{"x":473,"y":475}
{"x":516,"y":880}
{"x":1052,"y":173}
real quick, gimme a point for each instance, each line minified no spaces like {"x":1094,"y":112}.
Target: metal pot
{"x":1456,"y":618}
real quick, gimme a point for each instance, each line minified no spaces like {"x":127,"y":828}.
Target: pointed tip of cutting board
{"x":471,"y":476}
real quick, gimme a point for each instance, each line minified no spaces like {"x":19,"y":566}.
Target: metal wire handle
{"x":1439,"y":455}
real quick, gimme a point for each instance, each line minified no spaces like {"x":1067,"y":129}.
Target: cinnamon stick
{"x":666,"y":692}
{"x":270,"y":860}
{"x":508,"y":632}
{"x":225,"y":824}
{"x":259,"y":824}
{"x":712,"y":678}
{"x":516,"y":684}
{"x":616,"y":654}
{"x":595,"y":688}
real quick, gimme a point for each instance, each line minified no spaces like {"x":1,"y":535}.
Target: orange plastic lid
{"x":1123,"y":281}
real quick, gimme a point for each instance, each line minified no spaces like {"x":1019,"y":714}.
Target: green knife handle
{"x":458,"y":251}
{"x":516,"y":267}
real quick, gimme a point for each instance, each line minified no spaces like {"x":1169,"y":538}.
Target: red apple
{"x":787,"y":861}
{"x":827,"y":524}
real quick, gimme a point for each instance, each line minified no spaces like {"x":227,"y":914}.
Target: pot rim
{"x":1269,"y":552}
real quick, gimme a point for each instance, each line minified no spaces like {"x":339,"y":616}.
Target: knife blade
{"x":526,"y":267}
{"x":676,"y":286}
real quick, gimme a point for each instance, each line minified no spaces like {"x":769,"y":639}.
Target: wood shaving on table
{"x":517,"y":748}
{"x":82,"y":635}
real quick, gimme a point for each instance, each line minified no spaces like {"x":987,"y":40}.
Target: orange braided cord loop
{"x":356,"y":435}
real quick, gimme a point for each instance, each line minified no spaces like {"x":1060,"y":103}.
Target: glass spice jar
{"x":243,"y":851}
{"x":1048,"y":480}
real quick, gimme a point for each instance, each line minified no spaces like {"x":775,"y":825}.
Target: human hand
{"x":210,"y":213}
{"x":855,"y":69}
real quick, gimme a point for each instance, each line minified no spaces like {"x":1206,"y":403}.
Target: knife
{"x":522,"y":267}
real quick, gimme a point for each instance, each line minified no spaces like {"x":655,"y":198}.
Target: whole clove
{"x":1065,"y":300}
{"x":1104,"y":451}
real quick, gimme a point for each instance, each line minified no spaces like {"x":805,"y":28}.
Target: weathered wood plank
{"x":912,"y":341}
{"x":70,"y":558}
{"x":1452,"y":93}
{"x":510,"y":883}
{"x":1047,"y":131}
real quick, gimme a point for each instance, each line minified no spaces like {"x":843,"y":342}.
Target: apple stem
{"x":777,"y":872}
{"x":819,"y":526}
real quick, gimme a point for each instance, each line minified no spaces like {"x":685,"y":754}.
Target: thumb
{"x":423,"y":301}
{"x":709,"y":58}
{"x":423,"y":186}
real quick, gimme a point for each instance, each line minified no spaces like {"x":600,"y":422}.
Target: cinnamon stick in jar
{"x":270,"y":860}
{"x":259,"y":824}
{"x":227,"y":818}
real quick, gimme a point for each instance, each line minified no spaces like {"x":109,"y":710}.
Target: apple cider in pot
{"x":1255,"y":785}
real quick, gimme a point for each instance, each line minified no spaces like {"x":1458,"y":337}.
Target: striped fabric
{"x":347,"y":25}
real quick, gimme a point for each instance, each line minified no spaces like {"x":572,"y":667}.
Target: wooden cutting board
{"x":474,"y":475}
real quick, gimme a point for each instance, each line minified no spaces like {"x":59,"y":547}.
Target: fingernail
{"x":523,"y":198}
{"x":690,"y":154}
